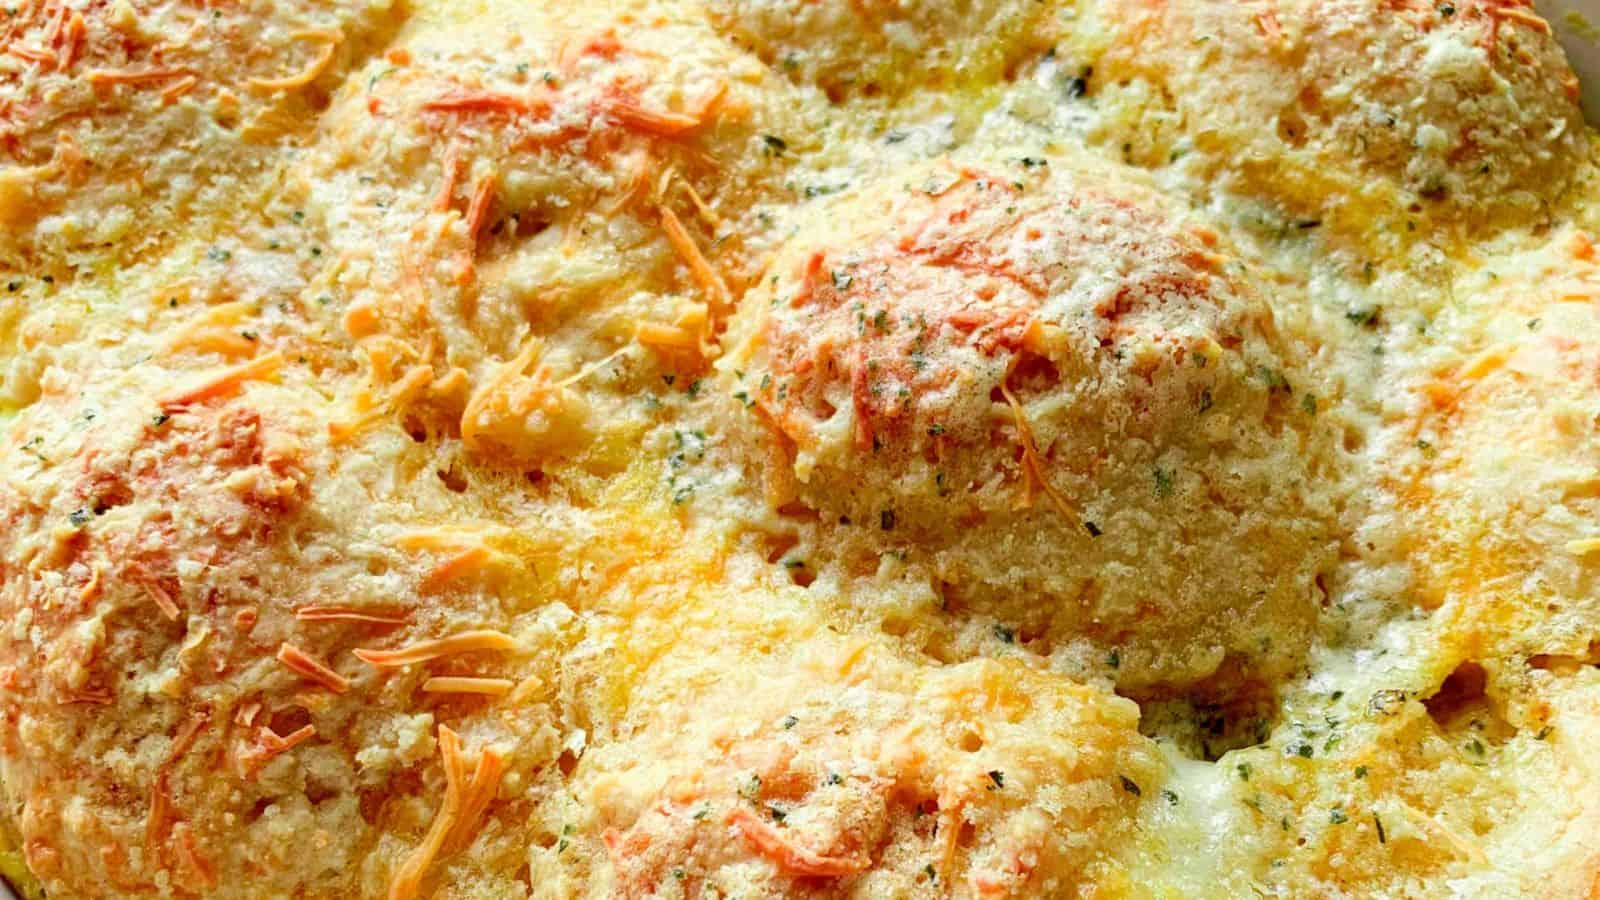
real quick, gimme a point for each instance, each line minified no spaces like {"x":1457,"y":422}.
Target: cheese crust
{"x":714,"y":448}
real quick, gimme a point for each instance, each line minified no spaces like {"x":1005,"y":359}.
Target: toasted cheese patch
{"x":158,"y":627}
{"x":545,"y":212}
{"x":873,"y":48}
{"x":833,"y":763}
{"x":1371,"y":798}
{"x":1472,"y":119}
{"x":1030,"y":378}
{"x":125,"y":121}
{"x":1499,"y":456}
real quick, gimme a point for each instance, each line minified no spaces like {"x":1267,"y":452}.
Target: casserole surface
{"x":755,"y":448}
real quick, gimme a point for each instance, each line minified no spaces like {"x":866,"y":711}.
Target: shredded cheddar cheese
{"x":311,"y":669}
{"x":225,"y":382}
{"x":347,"y":614}
{"x":468,"y":685}
{"x":423,"y":651}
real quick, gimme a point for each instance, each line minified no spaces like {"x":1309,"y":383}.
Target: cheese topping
{"x":712,"y":448}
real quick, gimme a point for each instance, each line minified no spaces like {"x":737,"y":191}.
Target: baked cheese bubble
{"x":126,"y":122}
{"x":222,"y":644}
{"x":1068,"y":401}
{"x":537,"y":214}
{"x":1496,"y":447}
{"x":1381,"y":119}
{"x":875,"y":48}
{"x":840,"y":759}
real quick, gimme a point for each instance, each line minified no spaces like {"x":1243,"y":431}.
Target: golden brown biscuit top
{"x":860,"y":449}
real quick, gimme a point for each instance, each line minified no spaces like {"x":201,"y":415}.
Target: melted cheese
{"x":663,"y":448}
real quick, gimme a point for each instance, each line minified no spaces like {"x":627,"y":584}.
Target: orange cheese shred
{"x":1524,"y":17}
{"x":490,"y":686}
{"x":225,"y":382}
{"x":135,"y":76}
{"x":311,"y":669}
{"x":178,"y":88}
{"x":155,"y":823}
{"x":479,"y":794}
{"x":1030,"y":460}
{"x":482,"y":102}
{"x":451,"y":168}
{"x":423,"y":651}
{"x":478,"y":209}
{"x":198,"y":866}
{"x":185,"y":739}
{"x":671,"y":337}
{"x":414,"y":381}
{"x":1267,"y":20}
{"x":77,"y":29}
{"x":33,"y":54}
{"x":661,"y":123}
{"x":456,"y":565}
{"x":307,"y":75}
{"x":483,"y":396}
{"x":155,"y":828}
{"x":477,"y":212}
{"x":407,"y":880}
{"x":704,"y":275}
{"x":790,"y":857}
{"x":91,"y":589}
{"x":269,"y":745}
{"x":163,"y":600}
{"x":707,"y":214}
{"x":348,"y":614}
